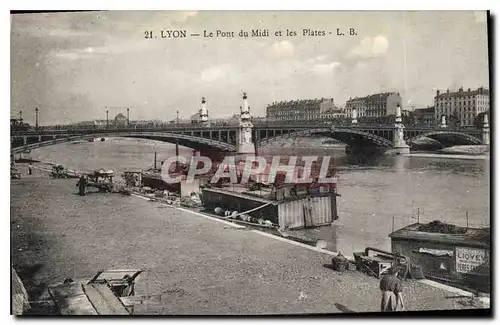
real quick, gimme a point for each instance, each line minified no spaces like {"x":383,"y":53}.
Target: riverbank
{"x":469,"y":150}
{"x":449,"y":156}
{"x":198,"y":265}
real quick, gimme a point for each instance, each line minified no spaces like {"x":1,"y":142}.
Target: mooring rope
{"x":246,"y":212}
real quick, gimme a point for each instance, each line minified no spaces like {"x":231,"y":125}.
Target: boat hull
{"x":303,"y":212}
{"x":159,"y":184}
{"x":213,"y":198}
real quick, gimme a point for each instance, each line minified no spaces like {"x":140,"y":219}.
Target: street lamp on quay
{"x":177,"y":117}
{"x":107,"y":122}
{"x":128,"y":117}
{"x":36,"y":117}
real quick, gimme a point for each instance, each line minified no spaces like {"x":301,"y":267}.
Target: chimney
{"x":437,"y":92}
{"x":468,"y":89}
{"x":460,"y":89}
{"x":447,"y":91}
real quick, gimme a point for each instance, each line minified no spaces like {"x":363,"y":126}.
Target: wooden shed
{"x":449,"y":253}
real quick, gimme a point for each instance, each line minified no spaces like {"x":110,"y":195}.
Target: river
{"x":374,"y":194}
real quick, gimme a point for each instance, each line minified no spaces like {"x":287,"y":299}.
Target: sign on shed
{"x":472,"y":261}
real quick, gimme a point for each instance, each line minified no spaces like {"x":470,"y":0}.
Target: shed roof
{"x":479,"y":237}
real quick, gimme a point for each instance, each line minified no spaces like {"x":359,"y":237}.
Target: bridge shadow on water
{"x":360,"y":159}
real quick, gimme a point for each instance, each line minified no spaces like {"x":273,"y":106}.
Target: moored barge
{"x":286,"y":206}
{"x":447,"y":253}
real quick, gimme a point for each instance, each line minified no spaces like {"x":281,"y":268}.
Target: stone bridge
{"x":225,"y":139}
{"x":246,"y":137}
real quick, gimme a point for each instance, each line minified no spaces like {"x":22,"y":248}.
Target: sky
{"x":75,"y":66}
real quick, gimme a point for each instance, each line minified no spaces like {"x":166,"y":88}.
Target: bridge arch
{"x":441,"y":136}
{"x":185,"y":140}
{"x":342,"y":134}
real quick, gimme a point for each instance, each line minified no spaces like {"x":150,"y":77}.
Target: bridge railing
{"x":179,"y":128}
{"x":187,"y":127}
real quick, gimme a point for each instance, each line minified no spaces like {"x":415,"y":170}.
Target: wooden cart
{"x":15,"y":174}
{"x":100,"y":296}
{"x":58,"y":172}
{"x":378,"y":264}
{"x":101,"y":179}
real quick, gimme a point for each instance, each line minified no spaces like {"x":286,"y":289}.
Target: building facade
{"x":332,"y":114}
{"x":376,"y":105}
{"x":461,"y":105}
{"x":424,"y":116}
{"x":300,"y":110}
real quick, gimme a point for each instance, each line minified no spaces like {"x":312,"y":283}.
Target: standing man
{"x":82,"y":183}
{"x":392,"y":292}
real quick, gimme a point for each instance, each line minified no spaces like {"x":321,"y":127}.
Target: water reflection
{"x":400,"y":163}
{"x":360,"y":159}
{"x":472,"y":167}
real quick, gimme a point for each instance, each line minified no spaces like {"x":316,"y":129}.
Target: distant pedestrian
{"x":392,"y":292}
{"x":82,"y":183}
{"x":30,"y":169}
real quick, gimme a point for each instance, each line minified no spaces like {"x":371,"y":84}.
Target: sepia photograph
{"x":250,"y":163}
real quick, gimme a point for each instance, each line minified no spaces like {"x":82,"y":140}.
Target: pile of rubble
{"x":441,"y":227}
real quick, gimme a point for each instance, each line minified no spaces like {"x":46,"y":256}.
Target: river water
{"x":377,"y":196}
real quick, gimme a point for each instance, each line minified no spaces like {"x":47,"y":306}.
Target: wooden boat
{"x":152,"y":177}
{"x":107,"y":293}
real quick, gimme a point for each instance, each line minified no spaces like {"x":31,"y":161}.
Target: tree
{"x":453,"y":120}
{"x":479,"y":120}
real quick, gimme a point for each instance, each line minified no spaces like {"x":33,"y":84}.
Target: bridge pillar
{"x":203,"y":112}
{"x":39,"y":138}
{"x":244,"y":141}
{"x":25,"y":140}
{"x":486,"y":130}
{"x":399,"y":143}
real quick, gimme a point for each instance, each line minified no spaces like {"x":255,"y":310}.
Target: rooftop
{"x":373,"y":96}
{"x":461,"y":92}
{"x":437,"y":231}
{"x":424,"y":110}
{"x":300,"y":102}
